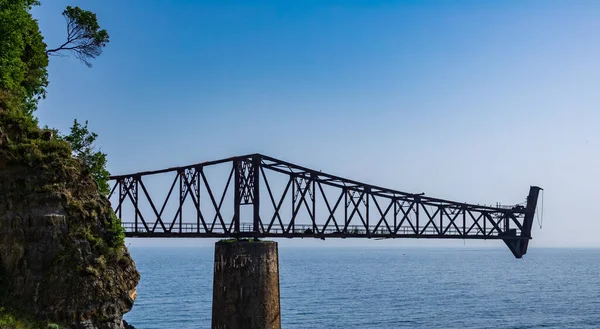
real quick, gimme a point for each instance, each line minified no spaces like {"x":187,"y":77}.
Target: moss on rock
{"x":62,"y":251}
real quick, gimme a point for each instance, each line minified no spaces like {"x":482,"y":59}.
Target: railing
{"x":298,"y":230}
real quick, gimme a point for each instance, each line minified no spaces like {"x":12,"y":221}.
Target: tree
{"x":82,"y":145}
{"x":84,"y":37}
{"x":23,"y":53}
{"x":24,"y":75}
{"x":23,"y":61}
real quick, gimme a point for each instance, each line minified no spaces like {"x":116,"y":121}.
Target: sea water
{"x":385,"y":288}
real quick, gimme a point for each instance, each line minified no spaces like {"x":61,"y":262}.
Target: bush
{"x":115,"y":233}
{"x":20,"y":320}
{"x":82,"y":144}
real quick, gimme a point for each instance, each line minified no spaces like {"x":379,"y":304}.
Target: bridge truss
{"x":259,"y":196}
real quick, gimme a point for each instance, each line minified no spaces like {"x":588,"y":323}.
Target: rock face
{"x":62,"y":258}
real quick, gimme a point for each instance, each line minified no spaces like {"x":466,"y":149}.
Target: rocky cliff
{"x":62,"y":254}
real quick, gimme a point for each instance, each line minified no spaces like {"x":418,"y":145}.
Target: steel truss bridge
{"x":259,"y":196}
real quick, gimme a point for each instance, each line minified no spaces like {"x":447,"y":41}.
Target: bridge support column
{"x":246,"y":285}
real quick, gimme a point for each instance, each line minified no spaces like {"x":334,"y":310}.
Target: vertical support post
{"x":519,"y":247}
{"x":294,"y":182}
{"x":532,"y":199}
{"x":256,"y":193}
{"x":464,"y":215}
{"x":181,"y":195}
{"x":345,"y":210}
{"x":237,"y":196}
{"x":484,"y":223}
{"x":367,"y":192}
{"x":418,"y":203}
{"x":246,"y":285}
{"x":442,"y":209}
{"x":197,"y":179}
{"x":136,"y":204}
{"x":121,"y":199}
{"x":314,"y":207}
{"x":395,"y":215}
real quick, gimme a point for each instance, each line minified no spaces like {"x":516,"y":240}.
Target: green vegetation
{"x":23,"y":53}
{"x":24,"y":78}
{"x":8,"y":321}
{"x":23,"y":59}
{"x":18,"y":320}
{"x":82,"y":145}
{"x":55,"y":163}
{"x":115,"y":233}
{"x":85,"y":39}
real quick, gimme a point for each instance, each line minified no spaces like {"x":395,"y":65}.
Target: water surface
{"x":386,"y":288}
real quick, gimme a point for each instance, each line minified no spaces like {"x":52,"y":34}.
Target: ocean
{"x":372,"y":288}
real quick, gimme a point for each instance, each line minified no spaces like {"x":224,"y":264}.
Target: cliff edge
{"x":63,"y":262}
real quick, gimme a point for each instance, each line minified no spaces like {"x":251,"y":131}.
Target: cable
{"x":542,"y":209}
{"x":540,"y":218}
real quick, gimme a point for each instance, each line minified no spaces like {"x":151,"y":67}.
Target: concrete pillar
{"x":246,"y":285}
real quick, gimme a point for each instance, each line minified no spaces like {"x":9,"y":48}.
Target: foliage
{"x":82,"y":140}
{"x":49,"y":161}
{"x":92,"y":271}
{"x":24,"y":75}
{"x":23,"y":53}
{"x":23,"y":61}
{"x":84,"y":37}
{"x":22,"y":142}
{"x":109,"y":245}
{"x":18,"y":320}
{"x":7,"y":320}
{"x":115,"y":233}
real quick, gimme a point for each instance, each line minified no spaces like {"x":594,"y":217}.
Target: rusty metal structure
{"x":259,"y":196}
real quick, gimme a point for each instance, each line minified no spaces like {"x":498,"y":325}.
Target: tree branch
{"x":84,"y":37}
{"x":62,"y":47}
{"x":70,"y":39}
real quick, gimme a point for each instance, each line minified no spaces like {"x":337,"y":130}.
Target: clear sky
{"x":467,"y":100}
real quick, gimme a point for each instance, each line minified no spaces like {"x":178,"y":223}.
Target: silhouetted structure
{"x":318,"y":205}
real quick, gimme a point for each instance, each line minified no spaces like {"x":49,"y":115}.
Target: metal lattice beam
{"x":318,"y":205}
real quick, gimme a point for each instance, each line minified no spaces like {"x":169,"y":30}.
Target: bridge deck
{"x":192,"y":230}
{"x":259,"y":196}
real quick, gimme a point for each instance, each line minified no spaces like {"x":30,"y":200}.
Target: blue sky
{"x":466,"y":100}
